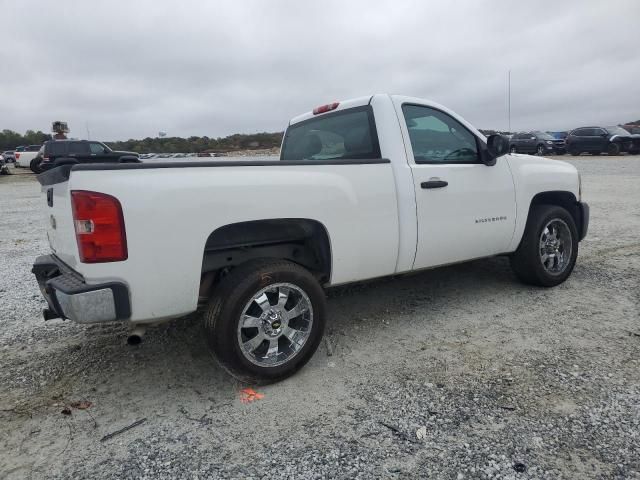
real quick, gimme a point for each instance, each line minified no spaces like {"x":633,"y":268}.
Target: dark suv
{"x":596,"y":140}
{"x":78,"y":151}
{"x":540,"y":143}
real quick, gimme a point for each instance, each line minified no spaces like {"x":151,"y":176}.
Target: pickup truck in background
{"x":370,"y":187}
{"x":77,"y":151}
{"x":24,"y":157}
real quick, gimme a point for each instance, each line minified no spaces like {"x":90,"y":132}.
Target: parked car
{"x":634,"y":130}
{"x":4,"y":169}
{"x":540,"y":143}
{"x":596,"y":140}
{"x":364,"y":188}
{"x":9,"y":156}
{"x":79,"y":151}
{"x":25,"y":155}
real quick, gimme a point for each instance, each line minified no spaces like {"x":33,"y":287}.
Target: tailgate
{"x":56,"y":204}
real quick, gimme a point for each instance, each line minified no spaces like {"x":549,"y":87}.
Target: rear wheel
{"x":613,"y":149}
{"x":34,"y":165}
{"x":549,"y":247}
{"x":513,"y":149}
{"x":265,"y":320}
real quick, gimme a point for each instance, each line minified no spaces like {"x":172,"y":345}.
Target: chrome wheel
{"x":513,"y":149}
{"x":555,"y":246}
{"x":540,"y":150}
{"x":275,"y":324}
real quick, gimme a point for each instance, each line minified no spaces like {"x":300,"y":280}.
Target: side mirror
{"x":497,"y":145}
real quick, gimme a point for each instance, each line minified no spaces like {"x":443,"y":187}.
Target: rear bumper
{"x":69,"y":296}
{"x":583,"y":210}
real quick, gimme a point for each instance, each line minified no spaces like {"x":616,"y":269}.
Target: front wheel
{"x":513,"y":149}
{"x":265,"y":320}
{"x":613,"y":149}
{"x":540,"y":150}
{"x":549,"y":247}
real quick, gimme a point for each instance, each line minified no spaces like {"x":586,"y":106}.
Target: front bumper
{"x":583,"y":211}
{"x":69,"y":296}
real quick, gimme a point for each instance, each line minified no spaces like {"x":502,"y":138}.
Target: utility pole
{"x":88,"y":133}
{"x":509,"y":99}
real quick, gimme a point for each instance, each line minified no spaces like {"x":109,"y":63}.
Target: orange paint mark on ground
{"x":248,"y":395}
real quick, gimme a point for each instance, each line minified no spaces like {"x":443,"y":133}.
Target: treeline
{"x":10,"y":139}
{"x":254,"y":141}
{"x":231,"y":143}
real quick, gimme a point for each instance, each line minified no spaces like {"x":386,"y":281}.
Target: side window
{"x":438,"y":138}
{"x":78,"y":147}
{"x":96,"y":148}
{"x":56,"y":148}
{"x":347,"y":134}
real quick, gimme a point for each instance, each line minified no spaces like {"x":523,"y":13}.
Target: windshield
{"x":544,"y":136}
{"x":347,"y":134}
{"x":617,"y":131}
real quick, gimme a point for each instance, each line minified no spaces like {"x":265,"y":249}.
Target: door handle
{"x":434,"y":184}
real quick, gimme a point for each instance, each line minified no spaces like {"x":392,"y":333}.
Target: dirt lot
{"x":500,"y":380}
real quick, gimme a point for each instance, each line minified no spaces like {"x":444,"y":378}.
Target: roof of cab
{"x":343,"y":105}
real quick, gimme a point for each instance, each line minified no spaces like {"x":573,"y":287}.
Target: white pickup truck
{"x":375,"y":186}
{"x":25,"y":156}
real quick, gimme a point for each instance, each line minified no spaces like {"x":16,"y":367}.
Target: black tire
{"x":540,"y":150}
{"x":613,"y":149}
{"x":526,"y":262}
{"x":226,"y":307}
{"x":513,"y":149}
{"x":573,"y":151}
{"x":34,"y":165}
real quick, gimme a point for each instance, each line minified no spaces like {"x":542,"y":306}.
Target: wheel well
{"x":299,"y":240}
{"x":566,"y":200}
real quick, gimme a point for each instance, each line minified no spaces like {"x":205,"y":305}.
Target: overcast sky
{"x":130,"y":68}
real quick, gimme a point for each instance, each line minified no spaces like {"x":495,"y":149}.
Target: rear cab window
{"x":344,"y":134}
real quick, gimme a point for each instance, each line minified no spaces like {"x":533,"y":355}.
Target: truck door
{"x":97,"y":152}
{"x":465,"y":209}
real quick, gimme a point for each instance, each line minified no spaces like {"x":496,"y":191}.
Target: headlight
{"x":549,"y":142}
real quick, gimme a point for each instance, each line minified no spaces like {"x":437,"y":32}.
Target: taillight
{"x":325,"y":108}
{"x":17,"y":155}
{"x":45,"y":158}
{"x":99,"y":226}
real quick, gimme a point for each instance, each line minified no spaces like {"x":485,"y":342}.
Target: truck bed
{"x":171,"y":209}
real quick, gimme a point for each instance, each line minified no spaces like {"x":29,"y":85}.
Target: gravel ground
{"x":459,"y":372}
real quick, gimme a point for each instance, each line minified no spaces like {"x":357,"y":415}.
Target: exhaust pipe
{"x":135,"y":336}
